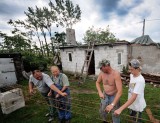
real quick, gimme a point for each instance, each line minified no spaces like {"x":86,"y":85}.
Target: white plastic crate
{"x":11,"y":100}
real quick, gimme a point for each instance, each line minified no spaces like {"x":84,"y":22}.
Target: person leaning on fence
{"x":136,"y":102}
{"x":112,"y":86}
{"x":63,"y":103}
{"x":44,"y":84}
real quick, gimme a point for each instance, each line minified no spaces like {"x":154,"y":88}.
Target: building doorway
{"x":91,"y":69}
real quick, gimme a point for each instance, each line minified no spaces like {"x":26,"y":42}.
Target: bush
{"x":33,"y":60}
{"x":125,"y":70}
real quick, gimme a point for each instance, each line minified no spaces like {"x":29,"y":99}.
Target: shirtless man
{"x":112,"y":86}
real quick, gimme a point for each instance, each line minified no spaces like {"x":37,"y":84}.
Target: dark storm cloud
{"x":122,"y":11}
{"x":9,"y":9}
{"x":107,"y":6}
{"x":112,"y":6}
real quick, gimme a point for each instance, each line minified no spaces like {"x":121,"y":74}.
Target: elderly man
{"x":44,"y":85}
{"x":112,"y":90}
{"x":63,"y":103}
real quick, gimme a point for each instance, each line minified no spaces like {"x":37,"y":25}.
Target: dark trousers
{"x":136,"y":116}
{"x":51,"y":102}
{"x":63,"y":104}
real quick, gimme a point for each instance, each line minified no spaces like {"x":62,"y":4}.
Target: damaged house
{"x":73,"y":57}
{"x":148,"y":52}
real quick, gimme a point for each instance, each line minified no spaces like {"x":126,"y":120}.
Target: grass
{"x":85,"y":104}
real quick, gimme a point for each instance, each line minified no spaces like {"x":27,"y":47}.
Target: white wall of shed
{"x":78,"y":57}
{"x":100,"y":52}
{"x":111,"y":54}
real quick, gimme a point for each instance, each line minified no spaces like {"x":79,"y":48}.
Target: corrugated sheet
{"x":146,"y":40}
{"x":158,"y":45}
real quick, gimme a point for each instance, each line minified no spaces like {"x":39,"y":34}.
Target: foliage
{"x":16,"y":43}
{"x":40,"y":22}
{"x":67,"y":14}
{"x":60,"y":38}
{"x":32,"y":60}
{"x":99,"y":35}
{"x":125,"y":69}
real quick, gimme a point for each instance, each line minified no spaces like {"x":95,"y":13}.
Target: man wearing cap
{"x":136,"y":102}
{"x":44,"y":85}
{"x":112,"y":90}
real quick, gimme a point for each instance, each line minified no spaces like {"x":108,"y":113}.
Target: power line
{"x":154,"y":19}
{"x":134,"y":23}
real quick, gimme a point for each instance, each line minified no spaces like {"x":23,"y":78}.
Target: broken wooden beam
{"x":151,"y":117}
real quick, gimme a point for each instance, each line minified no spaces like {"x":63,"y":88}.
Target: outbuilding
{"x":73,"y":56}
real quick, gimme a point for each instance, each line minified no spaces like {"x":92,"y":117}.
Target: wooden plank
{"x":151,"y":117}
{"x":146,"y":79}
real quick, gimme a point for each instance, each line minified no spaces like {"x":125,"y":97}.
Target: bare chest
{"x":108,"y":79}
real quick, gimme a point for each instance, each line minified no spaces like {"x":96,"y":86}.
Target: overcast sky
{"x":124,"y":17}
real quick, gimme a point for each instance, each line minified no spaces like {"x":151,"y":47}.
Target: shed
{"x":73,"y":56}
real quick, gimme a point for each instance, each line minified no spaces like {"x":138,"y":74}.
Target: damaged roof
{"x":146,"y":40}
{"x":158,"y":45}
{"x":123,"y":42}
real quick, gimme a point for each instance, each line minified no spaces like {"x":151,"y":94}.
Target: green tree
{"x":99,"y":35}
{"x":58,"y":40}
{"x":16,"y":43}
{"x":50,"y":18}
{"x":39,"y":15}
{"x":32,"y":24}
{"x":39,"y":22}
{"x":20,"y":41}
{"x":66,"y":13}
{"x":60,"y":37}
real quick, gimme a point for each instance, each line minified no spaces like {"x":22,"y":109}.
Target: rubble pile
{"x":153,"y":79}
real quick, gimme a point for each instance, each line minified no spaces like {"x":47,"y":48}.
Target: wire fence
{"x":88,"y":108}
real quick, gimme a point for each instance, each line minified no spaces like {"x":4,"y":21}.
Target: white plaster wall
{"x":78,"y":56}
{"x":100,"y":52}
{"x":111,"y":53}
{"x":150,"y":58}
